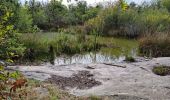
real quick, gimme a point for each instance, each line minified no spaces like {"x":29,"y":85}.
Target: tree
{"x":25,"y":20}
{"x":56,"y":12}
{"x":37,"y":11}
{"x":78,"y":11}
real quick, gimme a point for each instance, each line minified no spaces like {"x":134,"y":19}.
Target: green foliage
{"x":55,"y":12}
{"x":5,"y":75}
{"x":25,"y":21}
{"x":78,"y":11}
{"x":9,"y":44}
{"x":13,"y":6}
{"x":9,"y":48}
{"x":166,"y":4}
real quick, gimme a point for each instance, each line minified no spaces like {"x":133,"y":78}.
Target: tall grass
{"x":60,"y":42}
{"x":155,"y":45}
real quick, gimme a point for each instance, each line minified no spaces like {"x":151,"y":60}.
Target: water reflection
{"x":88,"y":58}
{"x":122,"y":48}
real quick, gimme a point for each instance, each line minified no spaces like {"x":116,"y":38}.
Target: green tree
{"x":56,"y":12}
{"x":25,"y":20}
{"x":78,"y":10}
{"x":37,"y":11}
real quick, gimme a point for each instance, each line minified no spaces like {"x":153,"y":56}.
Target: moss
{"x":161,"y":70}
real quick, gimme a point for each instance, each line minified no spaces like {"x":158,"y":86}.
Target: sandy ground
{"x":132,"y":79}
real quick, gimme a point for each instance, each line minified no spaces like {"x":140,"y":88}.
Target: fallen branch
{"x":114,"y":65}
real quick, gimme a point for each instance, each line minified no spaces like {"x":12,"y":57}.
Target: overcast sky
{"x":95,"y":1}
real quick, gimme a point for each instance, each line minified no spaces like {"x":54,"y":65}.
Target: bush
{"x":10,"y":47}
{"x":155,"y":45}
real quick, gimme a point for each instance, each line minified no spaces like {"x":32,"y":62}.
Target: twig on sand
{"x":90,"y":67}
{"x":114,"y":65}
{"x":144,"y":69}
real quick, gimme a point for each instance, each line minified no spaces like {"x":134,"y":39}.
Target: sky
{"x":91,"y":2}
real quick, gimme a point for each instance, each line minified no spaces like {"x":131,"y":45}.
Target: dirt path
{"x":132,"y":80}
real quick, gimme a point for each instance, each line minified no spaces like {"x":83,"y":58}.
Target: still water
{"x":116,"y":52}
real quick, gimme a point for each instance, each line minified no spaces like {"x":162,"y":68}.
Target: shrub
{"x":10,"y":47}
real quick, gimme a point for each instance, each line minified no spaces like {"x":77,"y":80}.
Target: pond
{"x":115,"y":52}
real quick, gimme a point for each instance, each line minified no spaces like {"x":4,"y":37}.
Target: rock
{"x":137,"y":79}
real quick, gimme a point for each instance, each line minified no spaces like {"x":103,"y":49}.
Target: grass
{"x":157,"y":45}
{"x":61,"y":43}
{"x":68,"y":44}
{"x":94,"y":98}
{"x":161,"y":70}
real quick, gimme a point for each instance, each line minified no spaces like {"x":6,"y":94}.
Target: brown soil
{"x":81,"y":80}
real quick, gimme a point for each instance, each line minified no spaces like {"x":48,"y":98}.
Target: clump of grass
{"x":94,"y":98}
{"x":161,"y":70}
{"x":130,"y":59}
{"x":156,"y":45}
